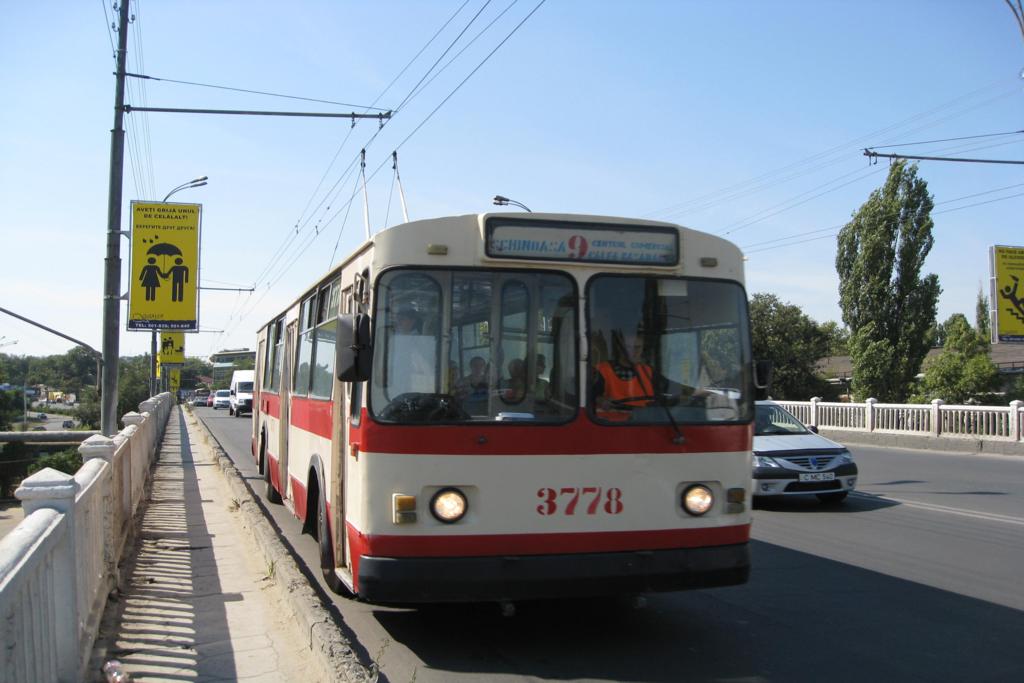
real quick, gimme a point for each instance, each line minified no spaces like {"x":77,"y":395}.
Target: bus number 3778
{"x":515,"y":406}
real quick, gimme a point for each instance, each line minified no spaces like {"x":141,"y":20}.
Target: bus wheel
{"x":270,"y":492}
{"x":323,"y":535}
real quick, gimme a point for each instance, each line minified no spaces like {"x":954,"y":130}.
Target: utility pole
{"x":112,"y":263}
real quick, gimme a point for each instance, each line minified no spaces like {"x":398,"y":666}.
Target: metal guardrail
{"x":983,"y":423}
{"x":60,"y":563}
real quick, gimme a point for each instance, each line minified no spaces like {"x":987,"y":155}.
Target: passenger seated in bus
{"x":471,"y":390}
{"x":513,"y":389}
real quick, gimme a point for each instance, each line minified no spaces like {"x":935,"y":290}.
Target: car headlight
{"x":765,"y":461}
{"x":845,"y":458}
{"x":449,"y":505}
{"x":698,"y":499}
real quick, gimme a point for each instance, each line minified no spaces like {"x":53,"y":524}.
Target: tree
{"x":942,"y":330}
{"x":982,"y":318}
{"x":838,"y":338}
{"x":783,"y":334}
{"x":963,"y":371}
{"x":887,"y":305}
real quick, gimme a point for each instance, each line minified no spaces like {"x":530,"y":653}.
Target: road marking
{"x":988,"y":516}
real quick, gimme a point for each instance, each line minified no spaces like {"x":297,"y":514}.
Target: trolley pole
{"x":112,"y":262}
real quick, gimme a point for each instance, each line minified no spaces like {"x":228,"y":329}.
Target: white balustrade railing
{"x":986,"y":423}
{"x":59,"y":564}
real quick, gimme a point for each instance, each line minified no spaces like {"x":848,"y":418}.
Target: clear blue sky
{"x":668,"y":110}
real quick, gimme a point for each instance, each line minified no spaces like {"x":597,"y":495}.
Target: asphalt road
{"x":914,"y":578}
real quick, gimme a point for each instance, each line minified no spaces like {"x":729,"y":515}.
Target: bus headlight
{"x":698,"y":499}
{"x":449,"y":505}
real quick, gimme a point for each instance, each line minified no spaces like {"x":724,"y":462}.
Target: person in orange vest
{"x":625,"y":382}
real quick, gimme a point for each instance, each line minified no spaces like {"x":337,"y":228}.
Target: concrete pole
{"x":112,"y":262}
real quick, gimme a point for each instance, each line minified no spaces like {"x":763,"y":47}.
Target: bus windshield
{"x":474,"y":345}
{"x":668,"y":350}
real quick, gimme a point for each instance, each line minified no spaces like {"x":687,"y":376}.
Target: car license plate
{"x":817,"y":476}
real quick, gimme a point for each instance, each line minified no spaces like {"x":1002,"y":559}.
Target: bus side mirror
{"x":354,"y":349}
{"x":763,"y":374}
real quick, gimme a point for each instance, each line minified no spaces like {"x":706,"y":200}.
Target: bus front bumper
{"x":523,"y":577}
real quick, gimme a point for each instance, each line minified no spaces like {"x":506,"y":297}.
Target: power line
{"x":762,"y":181}
{"x":874,"y":155}
{"x":254,"y":92}
{"x":836,"y":228}
{"x":319,"y":228}
{"x":965,"y":137}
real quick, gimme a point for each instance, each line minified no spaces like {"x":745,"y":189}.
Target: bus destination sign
{"x":634,"y":245}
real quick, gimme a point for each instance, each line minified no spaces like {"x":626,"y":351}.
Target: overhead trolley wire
{"x":330,"y":220}
{"x":303,"y":221}
{"x":710,"y":198}
{"x":965,"y":137}
{"x":255,"y":92}
{"x":377,"y":99}
{"x":746,"y":248}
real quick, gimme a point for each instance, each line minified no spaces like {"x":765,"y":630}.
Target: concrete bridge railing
{"x":935,"y":425}
{"x":58,"y":566}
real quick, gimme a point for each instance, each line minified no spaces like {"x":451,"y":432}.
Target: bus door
{"x":287,"y":378}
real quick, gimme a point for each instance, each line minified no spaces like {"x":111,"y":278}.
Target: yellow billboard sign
{"x":172,"y":347}
{"x":174,"y":381}
{"x":164,"y":271}
{"x":1007,"y":293}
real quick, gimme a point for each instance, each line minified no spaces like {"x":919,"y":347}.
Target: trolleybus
{"x":515,"y":406}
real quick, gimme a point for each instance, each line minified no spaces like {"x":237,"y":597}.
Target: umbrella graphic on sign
{"x":164,"y":249}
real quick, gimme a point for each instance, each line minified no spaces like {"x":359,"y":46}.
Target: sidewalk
{"x":195,"y":604}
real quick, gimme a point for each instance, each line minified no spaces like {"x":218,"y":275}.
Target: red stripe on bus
{"x":543,"y":544}
{"x":271,"y":404}
{"x":299,"y":498}
{"x":581,"y":436}
{"x":312,"y":415}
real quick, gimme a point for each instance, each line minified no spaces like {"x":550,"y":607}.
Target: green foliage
{"x":838,"y":338}
{"x":982,"y":316}
{"x":67,"y":461}
{"x":887,"y":305}
{"x":941,"y":331}
{"x":11,"y":408}
{"x":88,"y":409}
{"x":963,"y":371}
{"x":794,"y":343}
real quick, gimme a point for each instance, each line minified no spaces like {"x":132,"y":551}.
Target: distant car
{"x":40,"y":428}
{"x":41,"y":416}
{"x":200,"y":400}
{"x":792,"y":460}
{"x":68,"y":424}
{"x":209,"y":401}
{"x":222,"y":399}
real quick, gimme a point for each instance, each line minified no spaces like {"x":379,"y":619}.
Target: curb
{"x":335,"y":658}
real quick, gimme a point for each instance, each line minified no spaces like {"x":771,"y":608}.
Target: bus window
{"x":667,"y":350}
{"x":508,"y":340}
{"x":324,"y":337}
{"x":408,"y":335}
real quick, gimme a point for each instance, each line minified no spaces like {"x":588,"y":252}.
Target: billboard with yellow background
{"x":164,"y":273}
{"x":1007,"y":293}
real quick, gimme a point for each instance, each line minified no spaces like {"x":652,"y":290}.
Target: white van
{"x":241,"y":392}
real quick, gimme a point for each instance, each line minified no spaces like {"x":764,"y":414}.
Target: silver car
{"x":222,"y":399}
{"x":792,"y":460}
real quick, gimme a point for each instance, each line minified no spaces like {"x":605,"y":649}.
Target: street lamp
{"x":153,"y":388}
{"x":195,"y":182}
{"x":504,"y":201}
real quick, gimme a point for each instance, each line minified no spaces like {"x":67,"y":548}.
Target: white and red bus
{"x":430,"y":409}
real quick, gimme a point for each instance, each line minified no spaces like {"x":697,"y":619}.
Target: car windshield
{"x":245,"y":387}
{"x":473,"y":346}
{"x":773,"y":419}
{"x":224,"y":393}
{"x":668,"y":350}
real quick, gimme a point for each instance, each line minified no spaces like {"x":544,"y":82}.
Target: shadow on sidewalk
{"x":171,"y":619}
